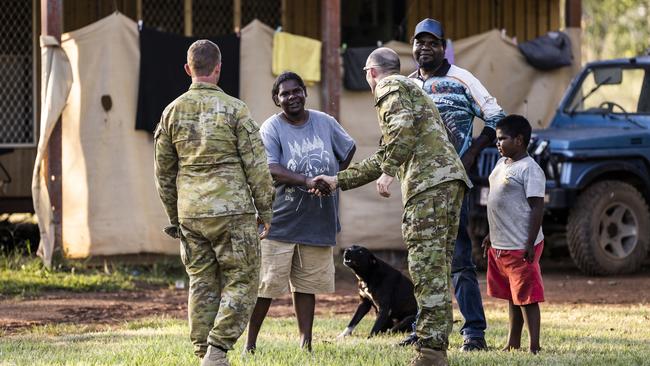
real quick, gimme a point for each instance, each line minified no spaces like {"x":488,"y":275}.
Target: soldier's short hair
{"x":514,"y":125}
{"x":203,"y":56}
{"x":384,"y":59}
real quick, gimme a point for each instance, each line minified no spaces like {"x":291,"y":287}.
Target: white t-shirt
{"x":507,"y":207}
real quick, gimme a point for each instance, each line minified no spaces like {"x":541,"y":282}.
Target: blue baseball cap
{"x":431,"y":26}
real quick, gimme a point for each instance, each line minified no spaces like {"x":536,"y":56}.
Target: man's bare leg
{"x":304,"y":305}
{"x":255,"y":324}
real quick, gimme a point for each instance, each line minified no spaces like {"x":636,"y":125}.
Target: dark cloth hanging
{"x":549,"y":51}
{"x":163,"y":79}
{"x":354,"y":60}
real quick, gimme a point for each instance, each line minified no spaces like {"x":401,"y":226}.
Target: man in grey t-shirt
{"x":297,"y":254}
{"x":316,"y":147}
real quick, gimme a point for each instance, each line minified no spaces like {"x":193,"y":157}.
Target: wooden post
{"x":573,"y":13}
{"x":331,"y":64}
{"x":236,"y":15}
{"x":285,"y":18}
{"x":138,"y":10}
{"x":187,"y":18}
{"x":52,"y":25}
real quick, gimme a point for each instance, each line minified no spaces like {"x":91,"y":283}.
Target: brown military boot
{"x":430,"y":357}
{"x":215,"y":357}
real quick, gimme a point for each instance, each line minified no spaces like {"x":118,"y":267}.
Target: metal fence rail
{"x":17,"y":119}
{"x":18,"y":95}
{"x":267,"y":11}
{"x":164,"y":15}
{"x":212,"y":17}
{"x":206,"y":18}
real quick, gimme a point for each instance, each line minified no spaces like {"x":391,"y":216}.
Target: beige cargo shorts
{"x":297,"y":267}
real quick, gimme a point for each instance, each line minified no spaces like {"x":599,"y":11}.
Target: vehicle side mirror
{"x":608,"y":75}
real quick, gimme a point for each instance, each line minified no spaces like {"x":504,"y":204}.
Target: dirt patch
{"x":563,"y":284}
{"x":87,"y":308}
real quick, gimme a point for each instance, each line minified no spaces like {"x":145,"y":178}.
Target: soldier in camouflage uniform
{"x":415,"y":147}
{"x":212,"y":177}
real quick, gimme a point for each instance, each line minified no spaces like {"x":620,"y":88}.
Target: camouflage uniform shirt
{"x":414,"y":145}
{"x":209,"y":158}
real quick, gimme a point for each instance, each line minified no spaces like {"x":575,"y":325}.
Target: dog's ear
{"x":373,"y":260}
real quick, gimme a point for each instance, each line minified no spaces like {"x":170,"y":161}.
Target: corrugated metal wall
{"x":79,"y":13}
{"x":525,"y":19}
{"x":302,"y":17}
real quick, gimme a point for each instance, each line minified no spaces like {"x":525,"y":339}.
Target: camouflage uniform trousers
{"x":429,"y":228}
{"x":222,"y":259}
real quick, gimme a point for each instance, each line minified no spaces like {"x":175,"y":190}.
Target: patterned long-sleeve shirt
{"x":414,"y":145}
{"x":460,"y":97}
{"x":209,"y":158}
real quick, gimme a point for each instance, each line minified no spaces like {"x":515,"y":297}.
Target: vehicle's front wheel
{"x":609,"y":229}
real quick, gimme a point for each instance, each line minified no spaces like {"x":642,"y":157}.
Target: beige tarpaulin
{"x":519,"y":88}
{"x":56,"y":79}
{"x":256,"y":76}
{"x":110,"y":204}
{"x":367,"y":218}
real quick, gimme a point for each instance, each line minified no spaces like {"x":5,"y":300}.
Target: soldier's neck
{"x":205,"y":79}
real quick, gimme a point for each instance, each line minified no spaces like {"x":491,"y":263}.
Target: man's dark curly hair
{"x":287,"y":75}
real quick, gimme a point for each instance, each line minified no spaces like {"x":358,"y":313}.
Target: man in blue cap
{"x":459,"y":97}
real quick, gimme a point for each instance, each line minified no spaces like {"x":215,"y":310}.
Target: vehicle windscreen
{"x":612,"y":90}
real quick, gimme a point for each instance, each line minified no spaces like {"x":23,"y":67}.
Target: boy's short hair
{"x":514,"y":125}
{"x":203,"y":56}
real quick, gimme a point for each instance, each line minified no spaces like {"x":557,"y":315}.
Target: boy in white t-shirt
{"x":514,"y":244}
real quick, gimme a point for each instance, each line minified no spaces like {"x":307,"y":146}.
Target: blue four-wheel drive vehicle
{"x":596,"y":155}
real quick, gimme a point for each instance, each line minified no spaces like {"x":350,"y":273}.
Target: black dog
{"x":383,"y":288}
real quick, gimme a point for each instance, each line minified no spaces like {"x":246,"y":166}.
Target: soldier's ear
{"x":188,"y":71}
{"x":217,"y":69}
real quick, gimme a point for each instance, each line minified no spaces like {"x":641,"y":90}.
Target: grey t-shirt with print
{"x":314,"y":148}
{"x":507,"y":207}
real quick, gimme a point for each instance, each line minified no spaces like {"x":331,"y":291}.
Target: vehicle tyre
{"x":609,"y":229}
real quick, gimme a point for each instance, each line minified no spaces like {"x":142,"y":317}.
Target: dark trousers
{"x":463,"y":274}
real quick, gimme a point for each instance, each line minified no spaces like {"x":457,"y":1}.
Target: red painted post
{"x":52,"y":25}
{"x":331,"y":62}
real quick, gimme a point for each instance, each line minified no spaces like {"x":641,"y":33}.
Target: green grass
{"x":26,"y":276}
{"x":571,"y":335}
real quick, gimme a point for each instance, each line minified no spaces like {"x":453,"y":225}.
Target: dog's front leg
{"x":362,"y":310}
{"x":382,"y":322}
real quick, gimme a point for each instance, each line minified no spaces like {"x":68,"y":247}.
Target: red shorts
{"x":511,"y":278}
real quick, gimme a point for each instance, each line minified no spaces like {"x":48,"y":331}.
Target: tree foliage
{"x":614,"y":28}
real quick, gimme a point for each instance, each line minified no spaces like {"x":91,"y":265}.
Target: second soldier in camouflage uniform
{"x":212,"y":177}
{"x":415,"y":147}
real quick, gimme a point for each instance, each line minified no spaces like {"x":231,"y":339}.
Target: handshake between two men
{"x":324,"y":185}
